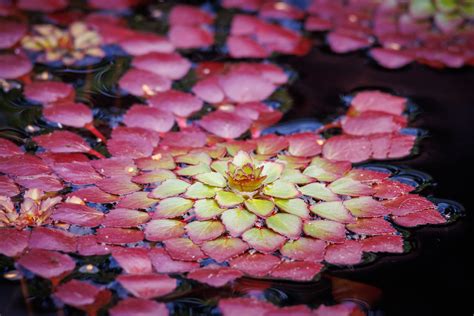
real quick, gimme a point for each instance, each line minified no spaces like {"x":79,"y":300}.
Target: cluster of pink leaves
{"x":359,"y":25}
{"x":144,"y":151}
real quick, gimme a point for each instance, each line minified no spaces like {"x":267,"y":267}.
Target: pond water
{"x":428,"y":279}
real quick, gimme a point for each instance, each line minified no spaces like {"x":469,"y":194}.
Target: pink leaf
{"x":374,"y":100}
{"x":118,"y":235}
{"x":143,"y":83}
{"x":144,"y":43}
{"x":121,"y":217}
{"x":47,"y":264}
{"x":215,"y":275}
{"x":179,"y":103}
{"x":244,"y":306}
{"x":68,"y":114}
{"x":170,"y":65}
{"x":163,"y":263}
{"x":183,"y":249}
{"x":46,"y":92}
{"x":297,"y":270}
{"x":371,"y":226}
{"x":11,"y":32}
{"x":52,"y":239}
{"x":83,"y":295}
{"x":383,"y":243}
{"x":132,"y":260}
{"x":425,"y":217}
{"x":136,"y":306}
{"x":149,"y":118}
{"x":347,"y":253}
{"x":225,"y":124}
{"x":119,"y":185}
{"x":347,"y":148}
{"x":14,"y":66}
{"x":147,"y":286}
{"x":190,"y":36}
{"x":255,"y":264}
{"x":77,"y":214}
{"x":13,"y":241}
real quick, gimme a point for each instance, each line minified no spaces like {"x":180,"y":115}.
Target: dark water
{"x":434,"y":278}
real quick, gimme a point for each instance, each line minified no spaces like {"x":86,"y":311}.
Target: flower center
{"x":246,"y":178}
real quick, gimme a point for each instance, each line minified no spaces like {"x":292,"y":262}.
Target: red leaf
{"x":425,"y":217}
{"x":119,"y":185}
{"x":225,"y":124}
{"x":244,"y":306}
{"x":144,"y":43}
{"x":115,"y":166}
{"x":370,"y":122}
{"x":384,"y":243}
{"x":347,"y":148}
{"x":215,"y":275}
{"x":390,"y":58}
{"x":136,"y":200}
{"x":8,"y":148}
{"x":76,"y":172}
{"x":371,"y":226}
{"x":8,"y":187}
{"x":63,"y":142}
{"x":190,"y":36}
{"x":47,"y":264}
{"x":192,"y":139}
{"x":147,"y":286}
{"x":143,"y":83}
{"x":11,"y":32}
{"x":347,"y":253}
{"x":14,"y":66}
{"x":68,"y":114}
{"x":52,"y":239}
{"x":183,"y":249}
{"x":304,"y":145}
{"x":77,"y":214}
{"x":83,"y":295}
{"x":87,"y":246}
{"x":120,"y":217}
{"x":23,"y":165}
{"x":342,"y":41}
{"x":389,"y":189}
{"x":169,"y":65}
{"x":46,"y":92}
{"x":374,"y":100}
{"x":182,"y":14}
{"x":44,"y":182}
{"x":255,"y":264}
{"x":42,"y":5}
{"x":163,"y":263}
{"x":245,"y":47}
{"x":149,"y":118}
{"x":136,"y":306}
{"x":408,"y":203}
{"x":118,"y":235}
{"x":179,"y":103}
{"x":133,"y":260}
{"x":13,"y":241}
{"x":297,"y":270}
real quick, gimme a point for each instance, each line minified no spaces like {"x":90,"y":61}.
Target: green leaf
{"x":272,"y":171}
{"x":214,"y":179}
{"x":285,"y":224}
{"x":193,"y":170}
{"x":260,"y":207}
{"x":318,"y":191}
{"x":238,"y":221}
{"x":204,"y":230}
{"x":168,"y":188}
{"x":296,"y":207}
{"x":200,"y":191}
{"x":263,"y":240}
{"x":206,"y":209}
{"x":172,"y":207}
{"x":228,"y":199}
{"x":332,"y":210}
{"x":281,"y":189}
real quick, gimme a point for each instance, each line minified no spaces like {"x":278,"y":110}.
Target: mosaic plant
{"x":178,"y":178}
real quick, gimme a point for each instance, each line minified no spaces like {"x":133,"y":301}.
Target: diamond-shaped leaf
{"x":272,"y":171}
{"x":213,"y":179}
{"x":307,"y":249}
{"x":238,"y":221}
{"x":365,"y":206}
{"x":263,"y":240}
{"x":288,"y":225}
{"x":183,"y":249}
{"x":295,"y":176}
{"x":199,"y":190}
{"x":260,"y":207}
{"x":228,"y":199}
{"x":168,"y":188}
{"x":256,"y":264}
{"x":297,"y":270}
{"x":172,"y":207}
{"x":297,"y":207}
{"x":204,"y":230}
{"x":318,"y":191}
{"x":162,"y":229}
{"x":325,"y":230}
{"x":332,"y":210}
{"x":348,"y":186}
{"x":281,"y":189}
{"x":193,"y":170}
{"x":207,"y":209}
{"x":224,"y":248}
{"x":158,"y":175}
{"x":326,"y":170}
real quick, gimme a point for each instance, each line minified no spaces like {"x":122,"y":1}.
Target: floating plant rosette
{"x":163,"y":168}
